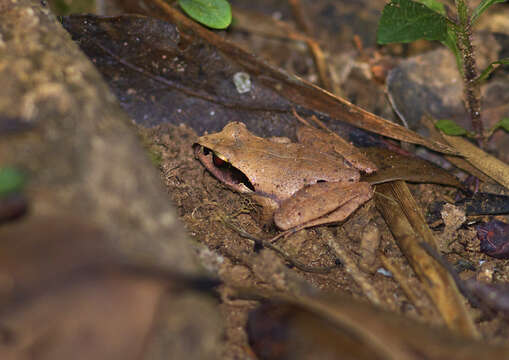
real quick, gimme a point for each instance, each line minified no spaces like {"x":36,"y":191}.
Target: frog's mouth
{"x":223,"y":170}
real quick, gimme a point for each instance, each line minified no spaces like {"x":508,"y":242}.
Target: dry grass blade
{"x":457,"y":161}
{"x":267,"y":26}
{"x":300,"y":15}
{"x":294,"y":88}
{"x":489,"y":165}
{"x":396,"y":271}
{"x":406,"y":223}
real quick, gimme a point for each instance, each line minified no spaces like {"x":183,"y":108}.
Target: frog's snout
{"x":222,"y":169}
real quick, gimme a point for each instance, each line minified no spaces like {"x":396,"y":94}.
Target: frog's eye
{"x":218,"y":161}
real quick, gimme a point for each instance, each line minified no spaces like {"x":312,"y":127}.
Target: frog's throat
{"x":226,"y":173}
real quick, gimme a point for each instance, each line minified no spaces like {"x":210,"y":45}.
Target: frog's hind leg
{"x":340,"y":214}
{"x":321,"y":203}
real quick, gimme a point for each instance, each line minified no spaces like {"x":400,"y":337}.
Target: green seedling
{"x":408,"y":20}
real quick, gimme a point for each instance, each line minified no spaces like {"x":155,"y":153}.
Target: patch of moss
{"x":66,"y":7}
{"x":153,"y":151}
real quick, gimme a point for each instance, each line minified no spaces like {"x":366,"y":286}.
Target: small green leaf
{"x":490,"y":68}
{"x":11,"y":180}
{"x":406,"y":21}
{"x":434,"y":5}
{"x":450,"y":42}
{"x":482,"y":7}
{"x":449,"y":127}
{"x":504,"y":124}
{"x":216,"y":14}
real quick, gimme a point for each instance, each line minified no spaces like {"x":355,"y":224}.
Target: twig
{"x":352,"y":269}
{"x":318,"y":56}
{"x":471,"y":87}
{"x":267,"y":244}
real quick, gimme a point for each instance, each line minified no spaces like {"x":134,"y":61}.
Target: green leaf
{"x":490,"y":68}
{"x":450,"y":42}
{"x":482,"y":7}
{"x":434,"y":5}
{"x":504,"y":124}
{"x":11,"y":180}
{"x":406,"y":21}
{"x":449,"y":127}
{"x":216,"y":14}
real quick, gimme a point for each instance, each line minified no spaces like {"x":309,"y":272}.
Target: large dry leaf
{"x":332,"y":327}
{"x":178,"y":62}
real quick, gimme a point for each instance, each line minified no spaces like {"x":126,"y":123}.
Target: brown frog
{"x":298,"y":184}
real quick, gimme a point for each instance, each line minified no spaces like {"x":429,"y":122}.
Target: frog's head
{"x":219,"y":153}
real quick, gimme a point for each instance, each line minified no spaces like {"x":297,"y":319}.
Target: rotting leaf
{"x":272,"y":89}
{"x":170,"y":82}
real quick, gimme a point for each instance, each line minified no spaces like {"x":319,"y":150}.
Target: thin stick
{"x":267,"y":244}
{"x":471,"y":88}
{"x":352,"y":269}
{"x":318,"y":56}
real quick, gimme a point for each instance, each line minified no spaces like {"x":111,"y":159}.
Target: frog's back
{"x":293,"y":166}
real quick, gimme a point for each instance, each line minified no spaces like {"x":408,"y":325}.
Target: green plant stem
{"x":471,"y":87}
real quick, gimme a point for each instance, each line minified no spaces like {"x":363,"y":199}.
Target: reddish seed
{"x":494,"y":237}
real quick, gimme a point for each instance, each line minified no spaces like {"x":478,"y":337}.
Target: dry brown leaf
{"x":311,"y":327}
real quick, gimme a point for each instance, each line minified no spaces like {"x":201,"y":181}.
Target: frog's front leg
{"x":322,"y":203}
